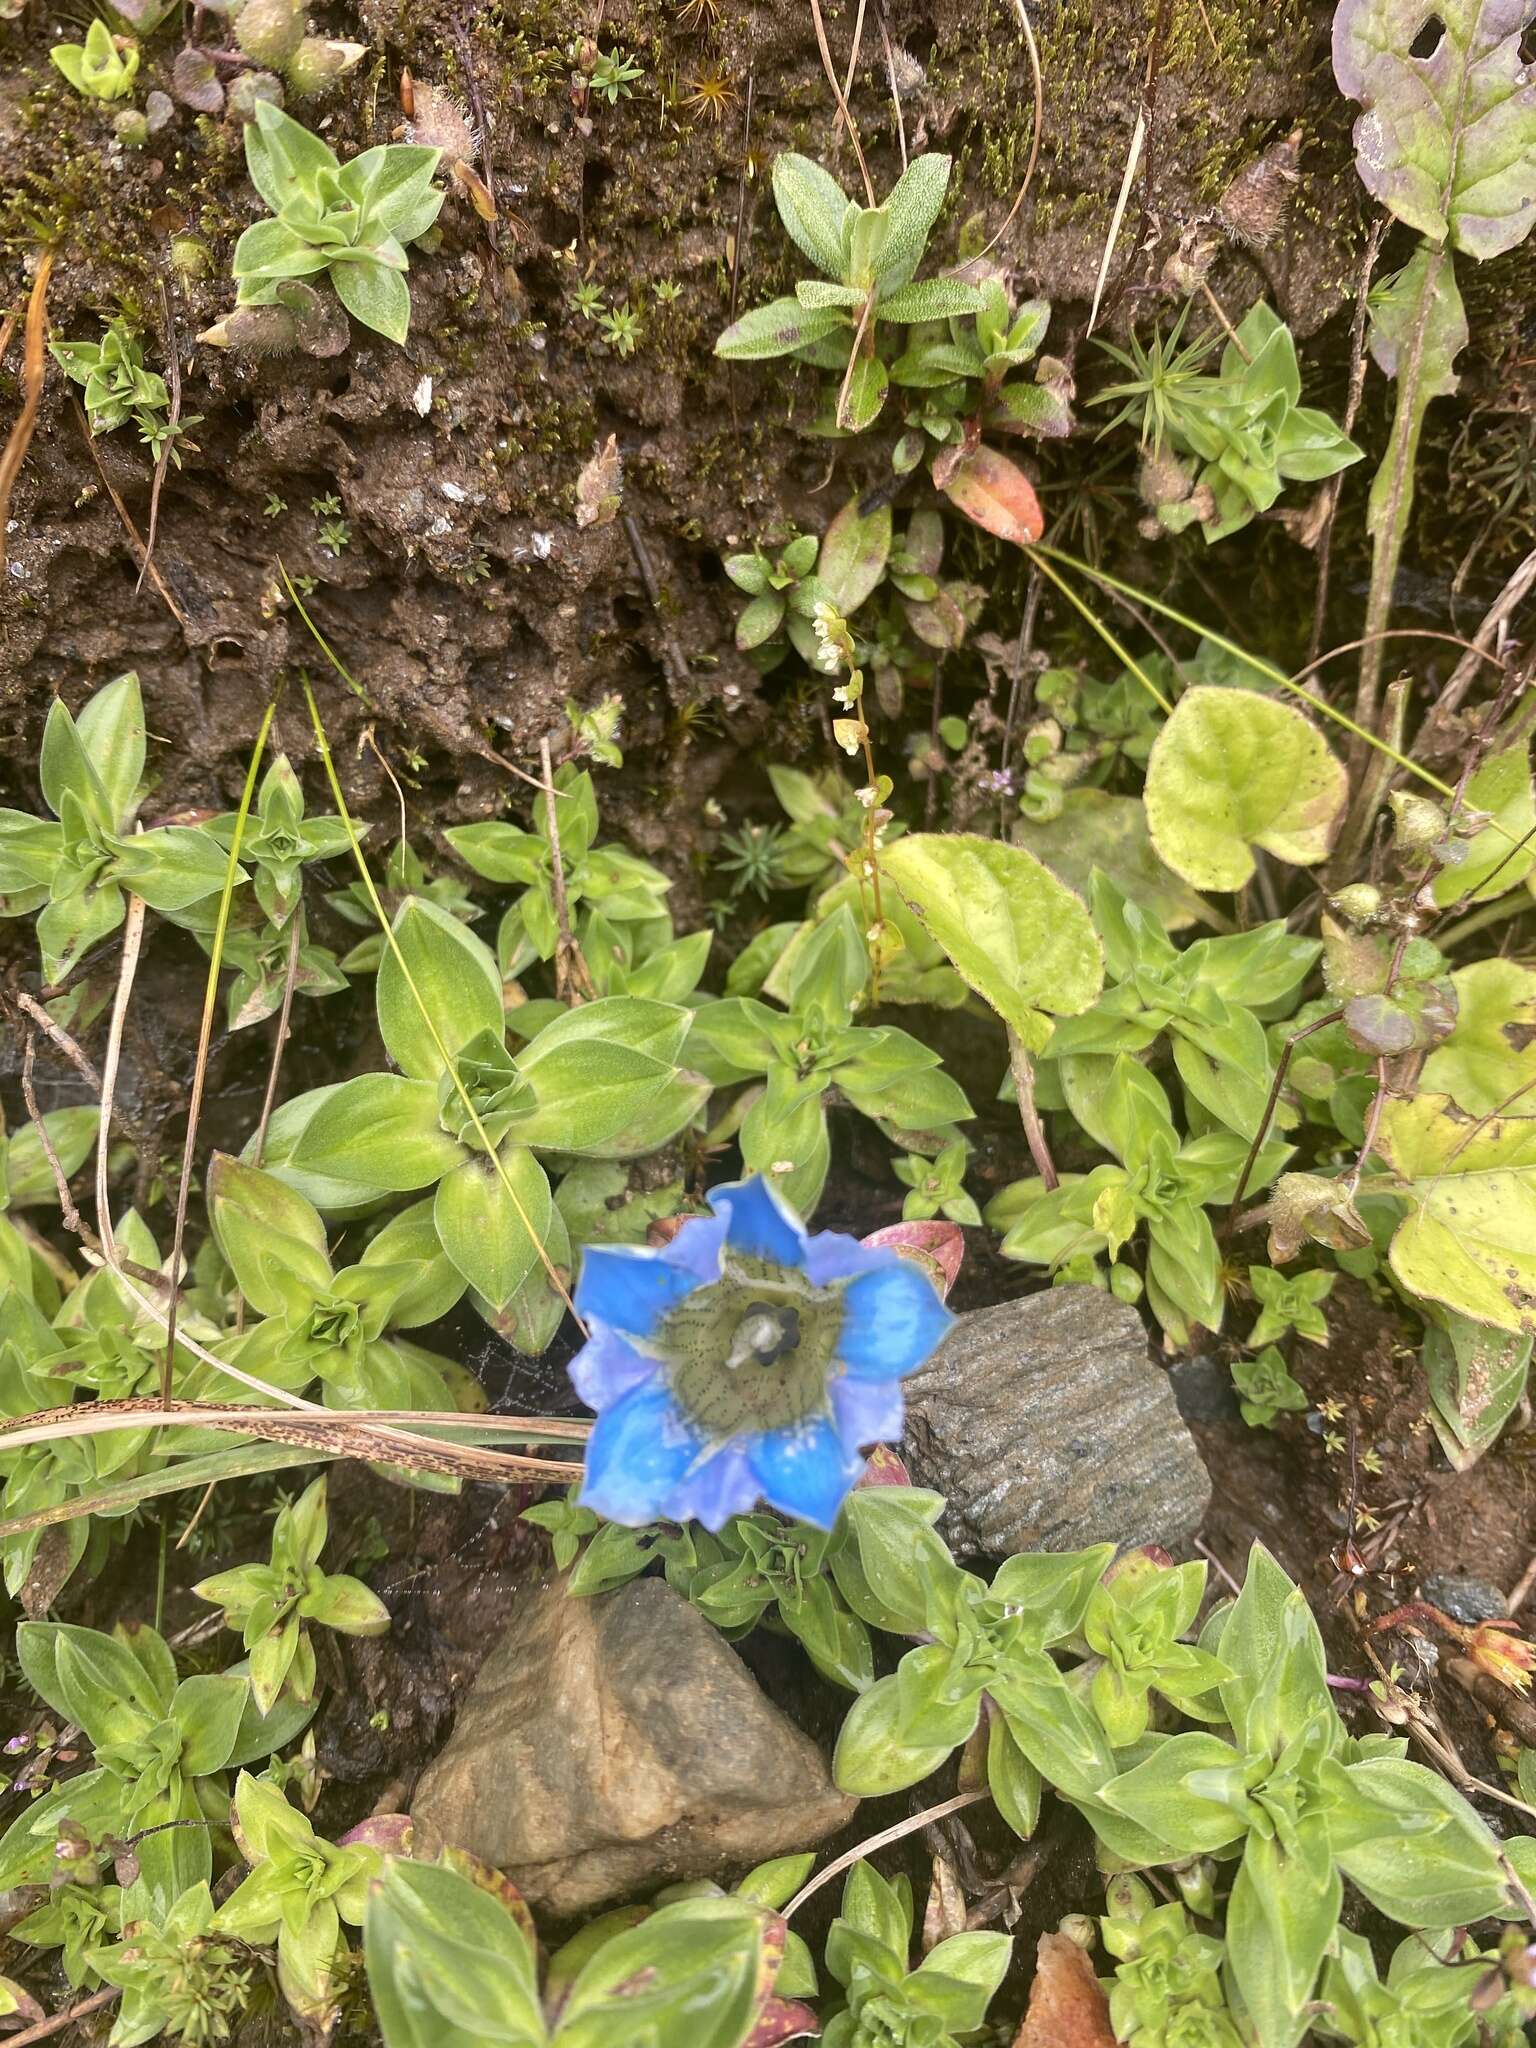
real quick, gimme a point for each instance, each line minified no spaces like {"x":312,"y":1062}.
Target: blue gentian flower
{"x":746,"y":1361}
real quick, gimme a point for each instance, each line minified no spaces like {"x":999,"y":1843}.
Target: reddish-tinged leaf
{"x":394,"y":1834}
{"x":778,"y":2019}
{"x":937,"y":1247}
{"x":397,"y":1834}
{"x":885,"y":1468}
{"x":1066,"y":2007}
{"x":994,"y":493}
{"x":782,"y":2019}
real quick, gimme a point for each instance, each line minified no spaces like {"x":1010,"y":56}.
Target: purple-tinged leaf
{"x":1447,"y":141}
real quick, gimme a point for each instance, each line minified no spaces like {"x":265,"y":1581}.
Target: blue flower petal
{"x":759,"y":1222}
{"x":867,"y":1411}
{"x":721,"y":1485}
{"x":805,"y":1470}
{"x":833,"y":1255}
{"x":696,"y":1248}
{"x":637,"y":1456}
{"x":605,"y":1368}
{"x":630,"y":1289}
{"x":892,"y":1320}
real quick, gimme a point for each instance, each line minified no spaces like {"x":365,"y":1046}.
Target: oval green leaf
{"x":1016,"y":934}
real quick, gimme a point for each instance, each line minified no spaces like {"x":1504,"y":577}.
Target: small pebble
{"x":1464,"y":1598}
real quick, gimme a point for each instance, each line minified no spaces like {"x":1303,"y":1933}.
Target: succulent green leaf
{"x":490,"y":1232}
{"x":911,"y":210}
{"x":854,"y":551}
{"x":376,"y":294}
{"x":441,"y":987}
{"x":448,"y":1965}
{"x":777,"y":329}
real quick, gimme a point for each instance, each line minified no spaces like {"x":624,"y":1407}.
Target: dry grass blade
{"x":133,"y":939}
{"x":844,"y":111}
{"x":1034,"y":142}
{"x":909,"y":1826}
{"x":369,"y":1435}
{"x":34,"y":368}
{"x":205,"y":1036}
{"x":1138,"y":142}
{"x":141,"y":553}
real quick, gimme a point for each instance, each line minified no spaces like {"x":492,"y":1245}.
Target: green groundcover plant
{"x":1212,"y":995}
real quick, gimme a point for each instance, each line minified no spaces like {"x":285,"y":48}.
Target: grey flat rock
{"x":1047,"y":1425}
{"x":613,"y":1745}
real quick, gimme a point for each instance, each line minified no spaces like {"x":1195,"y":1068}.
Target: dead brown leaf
{"x":1066,"y":2007}
{"x":600,"y":487}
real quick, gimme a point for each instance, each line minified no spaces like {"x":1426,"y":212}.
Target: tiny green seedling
{"x":119,"y":388}
{"x":103,"y":67}
{"x":271,"y":1603}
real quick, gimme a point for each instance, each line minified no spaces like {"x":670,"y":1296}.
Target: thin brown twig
{"x":831,"y":70}
{"x":1222,"y":321}
{"x":290,"y":976}
{"x":1022,"y":1068}
{"x":890,"y":72}
{"x":1521,"y":1591}
{"x":34,"y":371}
{"x":573,"y":979}
{"x":173,"y":417}
{"x":886,"y":1836}
{"x":1335,"y":484}
{"x":141,"y":553}
{"x":197,"y":1515}
{"x":72,"y":1218}
{"x":1396,"y":633}
{"x":1215,"y":1562}
{"x":1265,"y":1120}
{"x":42,"y":2030}
{"x":674,"y":660}
{"x":1022,"y":648}
{"x":1516,"y":589}
{"x":61,"y":1038}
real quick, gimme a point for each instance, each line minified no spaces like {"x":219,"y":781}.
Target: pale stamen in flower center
{"x":764,"y":1334}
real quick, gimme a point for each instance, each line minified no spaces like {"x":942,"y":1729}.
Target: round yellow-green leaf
{"x":1469,"y":1237}
{"x":1232,"y":770}
{"x":1492,"y":1052}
